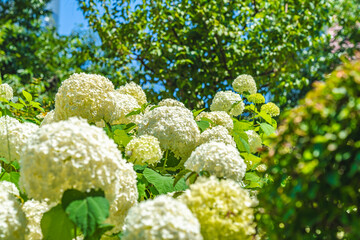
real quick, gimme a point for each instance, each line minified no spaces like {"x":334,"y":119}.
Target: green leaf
{"x":100,"y":230}
{"x":88,"y":213}
{"x":267,"y":128}
{"x":27,"y":96}
{"x":3,"y":100}
{"x":137,"y":167}
{"x":203,"y":125}
{"x":71,"y":195}
{"x":252,"y":176}
{"x":162,"y":183}
{"x":197,"y":112}
{"x":250,"y":159}
{"x":11,"y":177}
{"x":135,"y":112}
{"x":56,"y":225}
{"x":141,"y":189}
{"x":121,"y":138}
{"x":266,"y":117}
{"x":17,"y":106}
{"x":241,"y":140}
{"x":4,"y":160}
{"x":180,"y":175}
{"x":242,"y":126}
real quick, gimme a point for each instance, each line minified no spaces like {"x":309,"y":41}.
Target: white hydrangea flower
{"x":217,"y":134}
{"x":223,"y":208}
{"x":135,"y":91}
{"x":34,"y":211}
{"x":144,"y":150}
{"x":13,"y":135}
{"x":82,"y":95}
{"x":12,"y":218}
{"x":118,"y":106}
{"x":6,"y":91}
{"x":161,"y":218}
{"x":49,"y":118}
{"x":256,"y":98}
{"x":219,"y":118}
{"x":244,"y":83}
{"x":228,"y":102}
{"x":72,"y":154}
{"x":171,"y":103}
{"x":9,"y":187}
{"x":174,"y":127}
{"x":218,"y":159}
{"x":254,"y":140}
{"x":271,"y":109}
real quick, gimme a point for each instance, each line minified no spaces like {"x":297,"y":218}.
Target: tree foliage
{"x":316,"y":162}
{"x":34,"y":56}
{"x":195,"y":48}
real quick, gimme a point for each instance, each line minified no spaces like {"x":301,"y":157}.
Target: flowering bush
{"x":101,"y":150}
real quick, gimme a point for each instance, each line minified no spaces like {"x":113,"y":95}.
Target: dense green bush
{"x":316,"y":164}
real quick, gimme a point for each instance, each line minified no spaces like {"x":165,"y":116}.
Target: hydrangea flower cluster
{"x":218,"y":118}
{"x":174,"y":127}
{"x":13,"y":135}
{"x":72,"y":154}
{"x":244,"y":83}
{"x":218,"y":159}
{"x":161,"y":218}
{"x":228,"y":102}
{"x":217,"y":134}
{"x":271,"y":109}
{"x":223,"y":209}
{"x":256,"y":98}
{"x":135,"y":91}
{"x":144,"y":150}
{"x":34,"y":211}
{"x":9,"y":187}
{"x":82,"y":95}
{"x":12,"y":218}
{"x":171,"y":103}
{"x":254,"y":140}
{"x":49,"y":118}
{"x":118,"y":106}
{"x":6,"y":91}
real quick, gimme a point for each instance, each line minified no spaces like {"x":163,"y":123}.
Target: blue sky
{"x":70,"y":17}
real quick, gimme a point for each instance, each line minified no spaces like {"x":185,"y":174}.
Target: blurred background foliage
{"x":34,"y":57}
{"x":192,"y":48}
{"x":195,"y":48}
{"x":315,"y":161}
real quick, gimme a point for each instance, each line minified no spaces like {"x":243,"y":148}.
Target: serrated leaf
{"x":56,"y":225}
{"x":11,"y":177}
{"x":141,"y":189}
{"x":121,"y":137}
{"x":251,"y":176}
{"x":266,"y":117}
{"x":203,"y":125}
{"x":163,"y":184}
{"x":197,"y":112}
{"x":27,"y":96}
{"x":135,"y":112}
{"x":241,"y":140}
{"x":180,"y":175}
{"x":88,"y":213}
{"x":3,"y":100}
{"x":71,"y":195}
{"x":250,"y":159}
{"x":17,"y":106}
{"x":267,"y":128}
{"x":240,"y":126}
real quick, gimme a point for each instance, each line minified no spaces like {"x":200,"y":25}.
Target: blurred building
{"x":53,"y":20}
